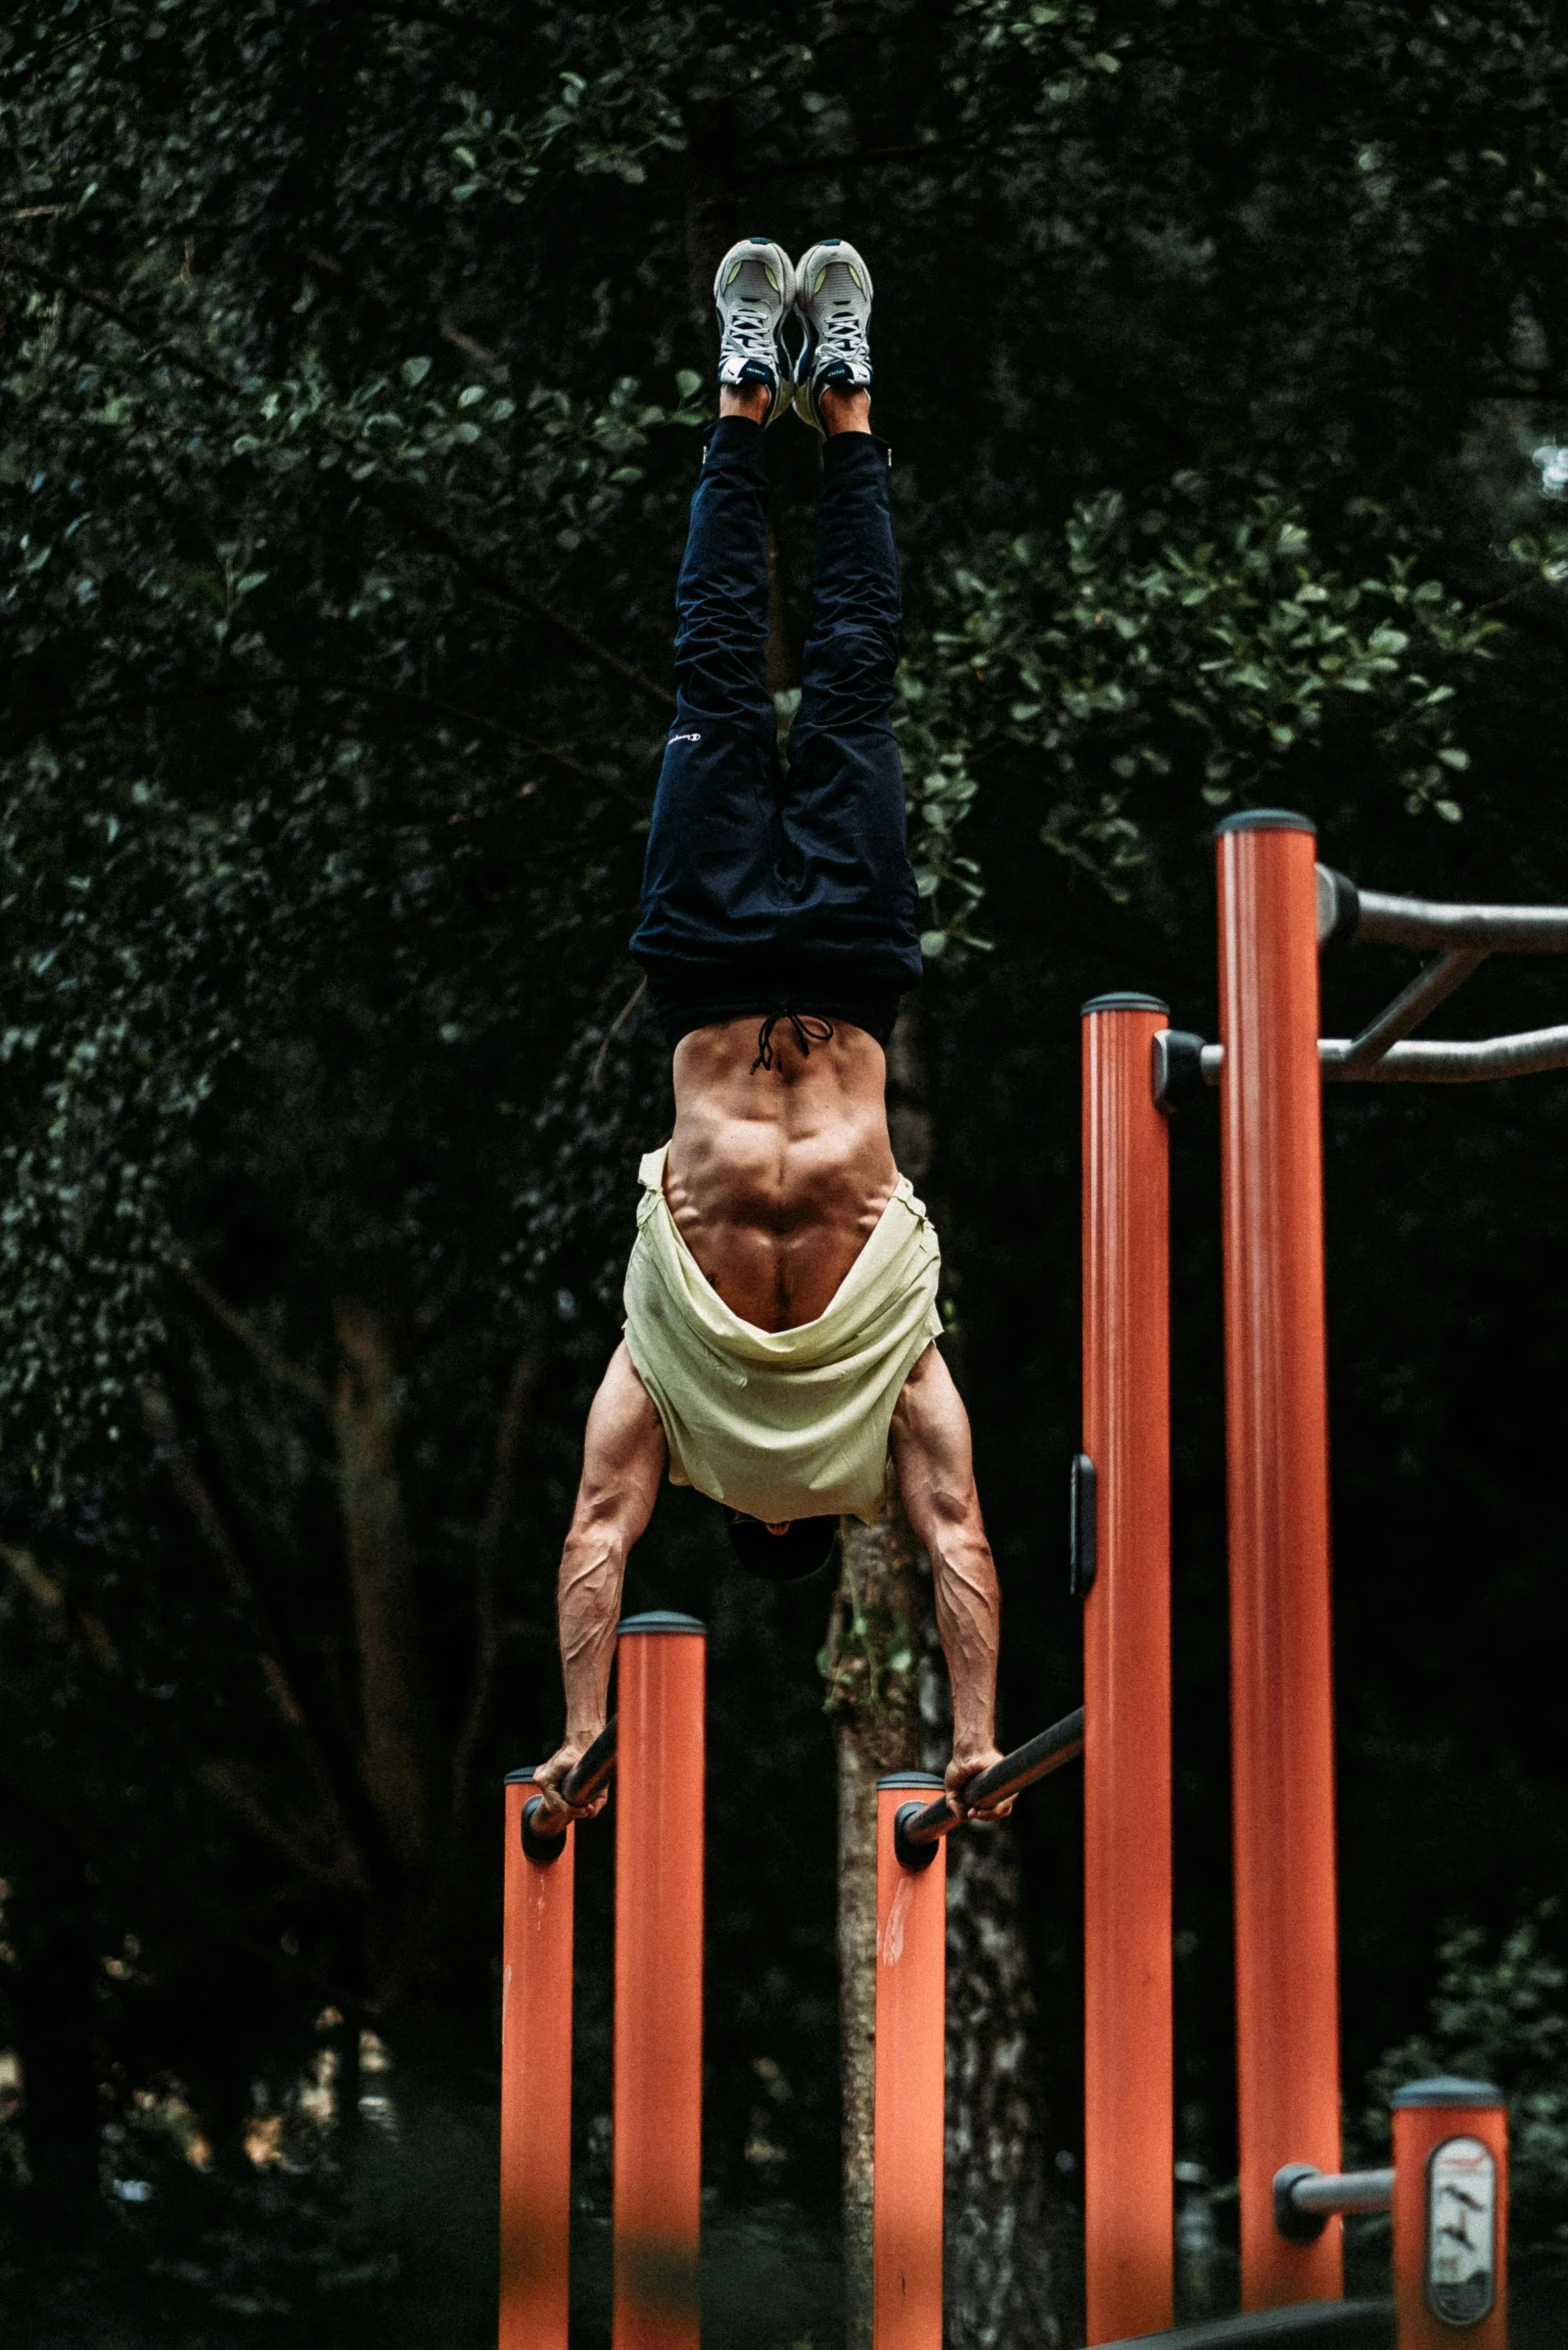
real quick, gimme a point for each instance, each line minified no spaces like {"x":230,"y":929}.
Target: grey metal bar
{"x":1306,"y":2198}
{"x":1428,"y":922}
{"x":1408,"y":1009}
{"x":1337,"y":2191}
{"x":1455,"y":1062}
{"x":1349,"y":2325}
{"x":1061,"y":1743}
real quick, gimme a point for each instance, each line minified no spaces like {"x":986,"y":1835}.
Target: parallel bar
{"x":582,"y":1782}
{"x":536,"y":2086}
{"x":657,"y":2122}
{"x":1287,"y":1993}
{"x":1128,"y":2066}
{"x":908,"y":2123}
{"x":1061,"y":1743}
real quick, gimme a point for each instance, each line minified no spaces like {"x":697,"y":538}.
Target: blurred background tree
{"x":355,"y":360}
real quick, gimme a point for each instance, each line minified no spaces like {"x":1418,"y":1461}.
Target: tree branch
{"x":424,"y":527}
{"x":484,"y":574}
{"x":868,"y":158}
{"x":241,"y":1327}
{"x":1540,"y":625}
{"x":298,"y":1849}
{"x":62,"y":1618}
{"x":491,"y":1632}
{"x":369,"y":288}
{"x":449,"y":20}
{"x":366,"y":1855}
{"x":237,"y":686}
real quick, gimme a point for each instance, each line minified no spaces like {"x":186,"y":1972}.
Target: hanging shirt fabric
{"x":781,"y":1423}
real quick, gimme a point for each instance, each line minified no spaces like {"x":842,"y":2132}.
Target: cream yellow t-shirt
{"x":781,"y":1423}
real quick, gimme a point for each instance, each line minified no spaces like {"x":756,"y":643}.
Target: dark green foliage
{"x":353,"y":371}
{"x":1499,"y":2015}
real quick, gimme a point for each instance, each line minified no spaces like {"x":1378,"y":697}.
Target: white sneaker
{"x":833,"y":299}
{"x":753,"y":294}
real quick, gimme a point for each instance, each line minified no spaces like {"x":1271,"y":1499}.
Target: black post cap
{"x":1127,"y":1000}
{"x":1265,"y":820}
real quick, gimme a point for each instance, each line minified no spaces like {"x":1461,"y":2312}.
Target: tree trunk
{"x":871,"y":1662}
{"x":1000,"y":2272}
{"x":891,"y":1717}
{"x":999,"y":2266}
{"x":52,"y":1993}
{"x":709,"y":221}
{"x":396,"y":1731}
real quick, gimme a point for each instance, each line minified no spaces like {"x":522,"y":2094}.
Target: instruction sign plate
{"x":1461,"y":2250}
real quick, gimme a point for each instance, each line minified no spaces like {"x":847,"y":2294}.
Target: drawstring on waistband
{"x":809,"y":1030}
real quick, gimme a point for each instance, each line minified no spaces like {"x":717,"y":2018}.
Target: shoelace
{"x":809,"y":1030}
{"x":843,"y":333}
{"x":749,"y":327}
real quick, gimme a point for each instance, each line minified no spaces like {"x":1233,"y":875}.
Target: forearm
{"x":588,"y":1603}
{"x":968,"y":1622}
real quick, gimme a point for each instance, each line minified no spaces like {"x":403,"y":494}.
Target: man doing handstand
{"x":781,"y":1295}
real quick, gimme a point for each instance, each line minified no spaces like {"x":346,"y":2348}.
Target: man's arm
{"x":934,"y":1460}
{"x":623,"y":1459}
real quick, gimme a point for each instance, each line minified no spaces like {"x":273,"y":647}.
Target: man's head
{"x":783,"y":1553}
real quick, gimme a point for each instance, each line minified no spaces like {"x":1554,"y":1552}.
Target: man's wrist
{"x":979,"y":1738}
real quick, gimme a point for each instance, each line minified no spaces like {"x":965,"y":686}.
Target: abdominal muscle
{"x":777,"y":1178}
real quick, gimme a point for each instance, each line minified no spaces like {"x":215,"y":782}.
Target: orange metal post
{"x":1128,"y":2149}
{"x":1282,"y":1737}
{"x":909,"y":2115}
{"x":536,"y":2086}
{"x":1451,"y":2215}
{"x":657,"y":2147}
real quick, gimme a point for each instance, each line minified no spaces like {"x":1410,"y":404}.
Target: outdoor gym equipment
{"x":1277,"y":907}
{"x":656,"y":1745}
{"x":1447,"y":2187}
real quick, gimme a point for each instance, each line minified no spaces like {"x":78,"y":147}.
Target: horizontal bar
{"x":1350,"y":2325}
{"x":583,"y":1781}
{"x":1453,"y":1061}
{"x":1306,"y":2198}
{"x":1061,"y":1743}
{"x":1428,"y":922}
{"x":1355,"y":2190}
{"x":1427,"y":1062}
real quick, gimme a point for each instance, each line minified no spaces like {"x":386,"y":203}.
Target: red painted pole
{"x":1282,"y":1738}
{"x":1128,"y":2138}
{"x":536,"y":2086}
{"x":657,"y":2146}
{"x":1450,"y":2216}
{"x":909,"y":2107}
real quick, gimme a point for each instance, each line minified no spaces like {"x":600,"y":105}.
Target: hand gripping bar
{"x":582,"y":1782}
{"x":917,"y":1827}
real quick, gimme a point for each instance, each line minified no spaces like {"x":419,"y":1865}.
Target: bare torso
{"x":777,"y":1178}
